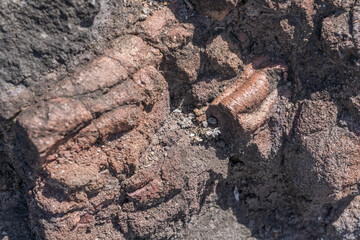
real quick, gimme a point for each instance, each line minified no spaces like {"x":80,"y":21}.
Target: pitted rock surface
{"x":179,"y":119}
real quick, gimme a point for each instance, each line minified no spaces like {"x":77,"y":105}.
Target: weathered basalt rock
{"x":250,"y":98}
{"x":95,"y":122}
{"x":224,"y":56}
{"x":215,"y":9}
{"x":323,"y":148}
{"x":86,"y":123}
{"x":337,"y":35}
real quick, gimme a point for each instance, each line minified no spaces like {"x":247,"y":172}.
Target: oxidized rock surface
{"x":146,"y":120}
{"x":249,"y":99}
{"x":92,"y":130}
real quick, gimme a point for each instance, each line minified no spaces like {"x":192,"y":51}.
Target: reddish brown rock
{"x":92,"y":130}
{"x":118,"y":121}
{"x":337,"y":36}
{"x":215,"y":9}
{"x":224,"y":55}
{"x":251,"y":121}
{"x":133,"y":53}
{"x":148,"y":193}
{"x":345,"y":4}
{"x":123,"y":94}
{"x":101,"y":74}
{"x":50,"y":122}
{"x":325,"y":169}
{"x":188,"y":62}
{"x":155,"y":26}
{"x":287,"y":154}
{"x":249,"y":100}
{"x":151,"y":82}
{"x":250,"y":94}
{"x":53,"y":120}
{"x":179,"y":35}
{"x":346,"y":225}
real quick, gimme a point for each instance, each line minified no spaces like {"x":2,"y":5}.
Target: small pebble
{"x":198,"y":139}
{"x":342,"y":123}
{"x":198,"y":112}
{"x":212,"y":121}
{"x":142,"y":17}
{"x":209,"y":134}
{"x":146,"y":10}
{"x":186,"y":123}
{"x":236,"y":194}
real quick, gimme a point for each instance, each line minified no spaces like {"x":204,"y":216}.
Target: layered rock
{"x":91,"y":130}
{"x":82,"y":143}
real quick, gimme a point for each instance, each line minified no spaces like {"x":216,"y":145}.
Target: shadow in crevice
{"x":282,"y":197}
{"x":180,"y":69}
{"x":264,"y":197}
{"x":14,"y":210}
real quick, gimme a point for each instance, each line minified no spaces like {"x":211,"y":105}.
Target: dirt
{"x":179,"y":119}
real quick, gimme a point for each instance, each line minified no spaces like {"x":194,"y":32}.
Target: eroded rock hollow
{"x":180,"y":119}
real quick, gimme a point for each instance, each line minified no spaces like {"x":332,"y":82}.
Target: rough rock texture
{"x":149,"y":120}
{"x":215,"y":9}
{"x":44,"y":41}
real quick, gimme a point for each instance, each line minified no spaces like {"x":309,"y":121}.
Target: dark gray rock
{"x":42,"y":41}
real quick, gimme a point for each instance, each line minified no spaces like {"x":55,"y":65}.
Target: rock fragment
{"x":248,"y":101}
{"x":224,"y":55}
{"x":215,"y":9}
{"x":337,"y":36}
{"x":325,"y":169}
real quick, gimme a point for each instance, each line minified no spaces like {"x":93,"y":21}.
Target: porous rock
{"x":215,"y":9}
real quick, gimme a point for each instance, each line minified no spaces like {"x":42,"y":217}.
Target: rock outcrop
{"x":129,"y":120}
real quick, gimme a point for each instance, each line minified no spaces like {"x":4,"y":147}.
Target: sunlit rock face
{"x":159,"y":119}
